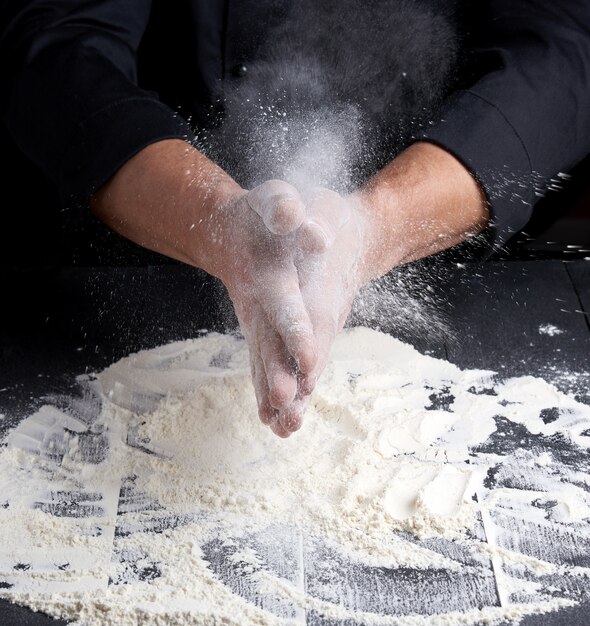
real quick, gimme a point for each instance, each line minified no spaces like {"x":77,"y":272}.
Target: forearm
{"x":424,"y":201}
{"x":167,"y":199}
{"x":511,"y":125}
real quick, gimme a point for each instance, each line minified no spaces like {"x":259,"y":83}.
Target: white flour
{"x":415,"y":493}
{"x":550,"y":329}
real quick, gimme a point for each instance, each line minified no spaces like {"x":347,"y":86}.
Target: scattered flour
{"x":415,"y":493}
{"x":550,"y":329}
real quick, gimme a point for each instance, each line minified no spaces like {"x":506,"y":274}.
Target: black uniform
{"x":504,"y":85}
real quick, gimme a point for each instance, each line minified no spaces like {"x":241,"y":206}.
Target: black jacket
{"x":89,"y":83}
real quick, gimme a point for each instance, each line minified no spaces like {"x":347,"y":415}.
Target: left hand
{"x":423,"y":201}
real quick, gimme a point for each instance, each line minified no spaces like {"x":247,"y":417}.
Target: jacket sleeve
{"x":526,"y":119}
{"x":72,"y":102}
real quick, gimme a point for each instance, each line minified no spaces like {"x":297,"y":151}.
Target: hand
{"x":422,"y":202}
{"x":172,"y":199}
{"x":329,"y":258}
{"x":292,"y":286}
{"x":259,"y":229}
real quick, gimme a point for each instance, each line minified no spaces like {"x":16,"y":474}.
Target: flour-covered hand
{"x":330,"y":261}
{"x":260,"y":228}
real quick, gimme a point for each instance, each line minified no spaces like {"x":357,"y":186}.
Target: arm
{"x":524,"y":118}
{"x":72,"y":101}
{"x":165,"y":199}
{"x":422,"y":202}
{"x":496,"y":147}
{"x":172,"y":199}
{"x":74,"y":107}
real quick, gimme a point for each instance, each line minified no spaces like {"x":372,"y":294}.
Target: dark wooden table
{"x":58,"y":323}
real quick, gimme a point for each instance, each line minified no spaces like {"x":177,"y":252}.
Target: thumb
{"x":279,"y":205}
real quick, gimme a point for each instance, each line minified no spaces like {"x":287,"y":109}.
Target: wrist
{"x":424,"y":201}
{"x":381,"y":245}
{"x":199,"y":194}
{"x":167,"y":198}
{"x":208,"y":226}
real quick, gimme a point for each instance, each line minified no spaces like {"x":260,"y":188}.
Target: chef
{"x":148,"y":114}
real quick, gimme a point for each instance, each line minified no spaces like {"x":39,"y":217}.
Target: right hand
{"x":172,"y":199}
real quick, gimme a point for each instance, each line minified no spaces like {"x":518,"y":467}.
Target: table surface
{"x":58,"y":323}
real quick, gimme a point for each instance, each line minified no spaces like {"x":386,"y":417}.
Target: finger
{"x":268,"y":415}
{"x":278,"y":430}
{"x":291,"y":418}
{"x":307,"y":382}
{"x":281,"y":376}
{"x":326,"y":327}
{"x":287,"y":314}
{"x":266,"y":412}
{"x":327,"y":213}
{"x":312,"y":239}
{"x":279,"y":205}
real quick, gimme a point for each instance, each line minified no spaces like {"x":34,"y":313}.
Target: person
{"x":81,"y":105}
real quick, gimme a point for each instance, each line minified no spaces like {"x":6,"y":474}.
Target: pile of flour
{"x":415,"y":493}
